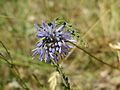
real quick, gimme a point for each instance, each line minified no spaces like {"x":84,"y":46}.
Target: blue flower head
{"x":54,"y":42}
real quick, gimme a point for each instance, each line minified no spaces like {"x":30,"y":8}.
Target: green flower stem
{"x":64,"y":77}
{"x":95,"y":57}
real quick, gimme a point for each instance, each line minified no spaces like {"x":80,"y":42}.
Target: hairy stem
{"x":64,"y":77}
{"x":96,"y":57}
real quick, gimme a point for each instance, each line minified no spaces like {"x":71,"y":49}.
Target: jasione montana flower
{"x":53,"y":42}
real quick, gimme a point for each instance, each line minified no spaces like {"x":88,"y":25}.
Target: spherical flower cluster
{"x":53,"y":42}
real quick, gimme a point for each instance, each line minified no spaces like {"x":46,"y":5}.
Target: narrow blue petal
{"x":35,"y":53}
{"x":54,"y":25}
{"x":42,"y":50}
{"x":46,"y":57}
{"x":40,"y":35}
{"x":41,"y":56}
{"x":70,"y":46}
{"x":40,"y":32}
{"x":34,"y":49}
{"x":61,"y":27}
{"x":59,"y":34}
{"x":66,"y":51}
{"x":39,"y":44}
{"x":51,"y":35}
{"x":66,"y":36}
{"x":43,"y":24}
{"x":37,"y":32}
{"x":39,"y":49}
{"x":66,"y":46}
{"x":71,"y":40}
{"x":50,"y":27}
{"x":38,"y":27}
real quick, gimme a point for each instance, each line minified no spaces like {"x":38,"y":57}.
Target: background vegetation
{"x":97,"y":21}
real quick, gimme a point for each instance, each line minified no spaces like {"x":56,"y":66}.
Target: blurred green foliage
{"x":97,"y":22}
